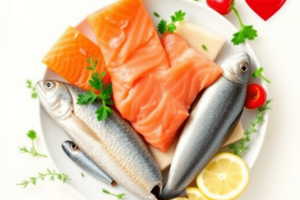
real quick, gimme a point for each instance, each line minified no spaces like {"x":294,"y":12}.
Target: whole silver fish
{"x":218,"y":109}
{"x":84,"y":162}
{"x":112,"y":144}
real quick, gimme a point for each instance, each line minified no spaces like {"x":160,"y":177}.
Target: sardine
{"x":84,"y":162}
{"x":112,"y":144}
{"x":219,"y":107}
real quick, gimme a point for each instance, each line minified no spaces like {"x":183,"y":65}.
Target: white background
{"x":28,"y":28}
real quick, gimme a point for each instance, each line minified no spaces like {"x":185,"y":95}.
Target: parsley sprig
{"x":163,"y":26}
{"x":32,"y":88}
{"x":104,"y":111}
{"x":50,"y":173}
{"x":119,"y":196}
{"x":240,"y":147}
{"x":32,"y":135}
{"x":246,"y":32}
{"x":258,"y":73}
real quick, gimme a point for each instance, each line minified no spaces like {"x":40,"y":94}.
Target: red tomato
{"x":221,"y":6}
{"x":256,"y":96}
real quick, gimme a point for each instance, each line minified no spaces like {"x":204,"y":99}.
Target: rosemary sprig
{"x":240,"y":147}
{"x":32,"y":135}
{"x":32,"y":88}
{"x":119,"y":196}
{"x":50,"y":173}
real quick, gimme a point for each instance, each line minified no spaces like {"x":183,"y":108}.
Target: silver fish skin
{"x":219,"y":107}
{"x":112,"y":144}
{"x":84,"y":162}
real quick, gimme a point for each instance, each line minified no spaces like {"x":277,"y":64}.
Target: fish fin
{"x":234,"y":124}
{"x":236,"y":120}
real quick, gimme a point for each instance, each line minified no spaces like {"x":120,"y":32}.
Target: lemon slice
{"x":225,"y":177}
{"x":193,"y":194}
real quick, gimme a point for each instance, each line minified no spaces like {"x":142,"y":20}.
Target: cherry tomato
{"x":256,"y":96}
{"x":221,"y":6}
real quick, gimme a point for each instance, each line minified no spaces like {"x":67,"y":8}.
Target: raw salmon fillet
{"x":149,"y":93}
{"x":68,"y":58}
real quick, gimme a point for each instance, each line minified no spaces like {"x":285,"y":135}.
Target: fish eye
{"x":74,"y":147}
{"x":49,"y":85}
{"x":244,"y":67}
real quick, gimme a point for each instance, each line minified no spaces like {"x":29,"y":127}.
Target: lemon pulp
{"x":225,"y":177}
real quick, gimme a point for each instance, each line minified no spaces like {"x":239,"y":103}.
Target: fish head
{"x":56,"y":98}
{"x":237,"y":68}
{"x":70,"y":148}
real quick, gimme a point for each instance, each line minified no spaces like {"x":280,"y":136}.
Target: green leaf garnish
{"x":32,"y":88}
{"x":84,"y":99}
{"x":204,"y":47}
{"x":240,"y":147}
{"x":163,"y":26}
{"x":82,"y":174}
{"x":32,"y":135}
{"x":156,"y":14}
{"x":119,"y":196}
{"x":246,"y":32}
{"x":104,"y":111}
{"x":258,"y":73}
{"x":52,"y":174}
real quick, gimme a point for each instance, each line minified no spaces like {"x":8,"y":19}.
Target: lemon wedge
{"x":225,"y":177}
{"x":193,"y":194}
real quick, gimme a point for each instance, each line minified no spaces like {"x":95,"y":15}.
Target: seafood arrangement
{"x":163,"y":90}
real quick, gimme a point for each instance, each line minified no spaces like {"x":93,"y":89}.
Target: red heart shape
{"x":265,"y":8}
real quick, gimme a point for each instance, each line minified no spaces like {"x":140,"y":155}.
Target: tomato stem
{"x":237,"y":14}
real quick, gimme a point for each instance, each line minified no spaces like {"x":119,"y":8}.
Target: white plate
{"x":88,"y":187}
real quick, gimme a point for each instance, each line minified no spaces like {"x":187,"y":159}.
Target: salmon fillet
{"x":68,"y":58}
{"x":154,"y":82}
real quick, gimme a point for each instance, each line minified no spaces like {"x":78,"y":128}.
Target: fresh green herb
{"x":104,"y":111}
{"x":204,"y":47}
{"x":156,"y":14}
{"x":163,"y":26}
{"x":32,"y":135}
{"x":240,"y":147}
{"x":119,"y":196}
{"x":32,"y":88}
{"x":50,"y":173}
{"x":82,"y":174}
{"x":258,"y":73}
{"x":246,"y":32}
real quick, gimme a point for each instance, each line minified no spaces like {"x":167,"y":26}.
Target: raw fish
{"x":112,"y":144}
{"x":153,"y":87}
{"x":68,"y":58}
{"x":217,"y":111}
{"x":84,"y":162}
